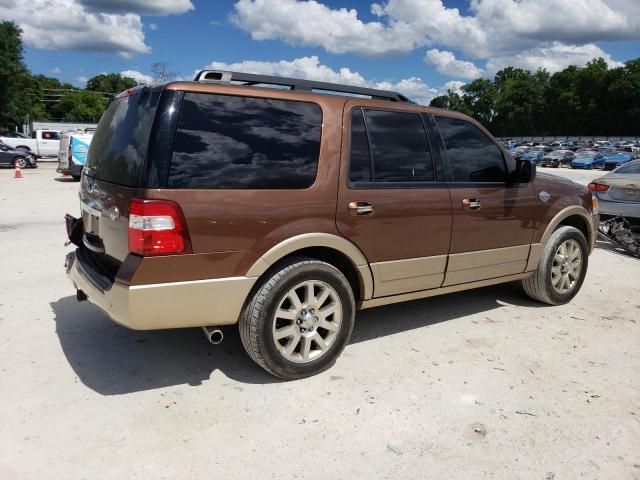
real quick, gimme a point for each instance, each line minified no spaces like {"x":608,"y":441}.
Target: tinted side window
{"x":360,"y":158}
{"x":227,"y":142}
{"x":472,"y":155}
{"x":399,"y":147}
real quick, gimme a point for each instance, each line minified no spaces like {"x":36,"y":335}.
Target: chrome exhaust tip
{"x":214,"y":335}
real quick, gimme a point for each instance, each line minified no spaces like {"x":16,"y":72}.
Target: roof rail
{"x":251,"y":79}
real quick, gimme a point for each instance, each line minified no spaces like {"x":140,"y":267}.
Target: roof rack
{"x":250,"y":79}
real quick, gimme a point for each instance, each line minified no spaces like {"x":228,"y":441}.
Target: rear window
{"x":120,"y":142}
{"x":229,"y":142}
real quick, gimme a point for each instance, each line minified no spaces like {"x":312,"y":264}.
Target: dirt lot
{"x":480,"y":384}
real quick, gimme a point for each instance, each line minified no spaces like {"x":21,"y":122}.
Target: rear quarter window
{"x":231,"y":142}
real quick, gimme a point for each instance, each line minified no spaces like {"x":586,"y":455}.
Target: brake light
{"x":598,"y":187}
{"x":70,"y":154}
{"x":157,"y":227}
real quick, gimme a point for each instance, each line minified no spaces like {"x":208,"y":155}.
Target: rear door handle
{"x":472,"y":203}
{"x":360,"y":208}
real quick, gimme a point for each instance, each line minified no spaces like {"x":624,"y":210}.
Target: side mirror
{"x":525,"y":171}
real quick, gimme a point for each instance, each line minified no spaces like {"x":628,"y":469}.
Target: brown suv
{"x":285,"y":210}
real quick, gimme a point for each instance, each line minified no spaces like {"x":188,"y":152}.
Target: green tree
{"x":479,"y":96}
{"x":110,"y":83}
{"x":451,"y":101}
{"x":14,"y":103}
{"x":82,"y":105}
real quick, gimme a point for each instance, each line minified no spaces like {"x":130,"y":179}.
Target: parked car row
{"x":600,"y":155}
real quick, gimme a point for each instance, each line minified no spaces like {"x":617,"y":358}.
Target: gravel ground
{"x":479,"y":384}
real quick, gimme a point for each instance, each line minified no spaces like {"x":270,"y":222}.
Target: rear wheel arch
{"x":332,"y":249}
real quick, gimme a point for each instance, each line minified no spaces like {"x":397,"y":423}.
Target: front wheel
{"x":20,"y":162}
{"x":299,"y":319}
{"x":562,"y":268}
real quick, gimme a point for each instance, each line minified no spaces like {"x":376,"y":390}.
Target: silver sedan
{"x":618,"y":192}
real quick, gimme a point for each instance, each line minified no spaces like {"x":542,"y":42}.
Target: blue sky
{"x":420,"y":47}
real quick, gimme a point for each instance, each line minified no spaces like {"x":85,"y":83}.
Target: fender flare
{"x":537,"y":248}
{"x":326,"y":240}
{"x":566,"y":213}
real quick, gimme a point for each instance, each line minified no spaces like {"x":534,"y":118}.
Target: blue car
{"x":588,"y":160}
{"x":534,"y":156}
{"x":615,"y":160}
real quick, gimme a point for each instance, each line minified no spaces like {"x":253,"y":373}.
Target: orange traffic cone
{"x":18,"y":172}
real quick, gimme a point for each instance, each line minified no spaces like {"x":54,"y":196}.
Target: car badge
{"x":114,"y":213}
{"x":544,"y":196}
{"x":91,"y":187}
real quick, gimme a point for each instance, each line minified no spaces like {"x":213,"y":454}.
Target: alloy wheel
{"x":307,"y":321}
{"x":567,"y":265}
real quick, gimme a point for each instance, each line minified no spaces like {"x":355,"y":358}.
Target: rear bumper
{"x":73,"y":169}
{"x":164,"y":305}
{"x":608,"y":208}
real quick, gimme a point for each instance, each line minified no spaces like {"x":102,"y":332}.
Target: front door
{"x":391,"y":203}
{"x":493,"y":220}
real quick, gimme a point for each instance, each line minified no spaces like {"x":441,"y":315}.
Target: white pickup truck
{"x":43,"y":143}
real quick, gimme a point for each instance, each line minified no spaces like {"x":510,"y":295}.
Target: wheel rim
{"x":307,"y":321}
{"x":22,"y":163}
{"x":567,"y":266}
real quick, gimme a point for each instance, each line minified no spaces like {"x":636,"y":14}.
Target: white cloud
{"x":447,"y":64}
{"x":314,"y":24}
{"x":141,"y":7}
{"x":554,"y":57}
{"x":406,"y":24}
{"x":65,"y":24}
{"x":139,"y":77}
{"x":558,"y":32}
{"x":454,"y":85}
{"x":82,"y":79}
{"x":56,"y":70}
{"x":311,"y":68}
{"x":153,"y":26}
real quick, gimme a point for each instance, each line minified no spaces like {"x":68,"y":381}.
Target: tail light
{"x":157,"y":227}
{"x":70,"y":154}
{"x":598,"y":187}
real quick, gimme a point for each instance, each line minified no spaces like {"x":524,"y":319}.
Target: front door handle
{"x":472,"y":203}
{"x":360,"y":208}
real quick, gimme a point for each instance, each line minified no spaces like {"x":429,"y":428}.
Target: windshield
{"x":119,"y":145}
{"x":585,"y":155}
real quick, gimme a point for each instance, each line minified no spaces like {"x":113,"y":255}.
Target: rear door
{"x":493,"y":221}
{"x":392,"y":202}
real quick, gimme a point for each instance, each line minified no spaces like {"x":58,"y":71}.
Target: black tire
{"x":539,"y":286}
{"x":256,"y":320}
{"x":76,"y":177}
{"x":21,"y":162}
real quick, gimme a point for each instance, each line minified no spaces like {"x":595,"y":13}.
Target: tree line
{"x":589,"y":100}
{"x":25,"y":96}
